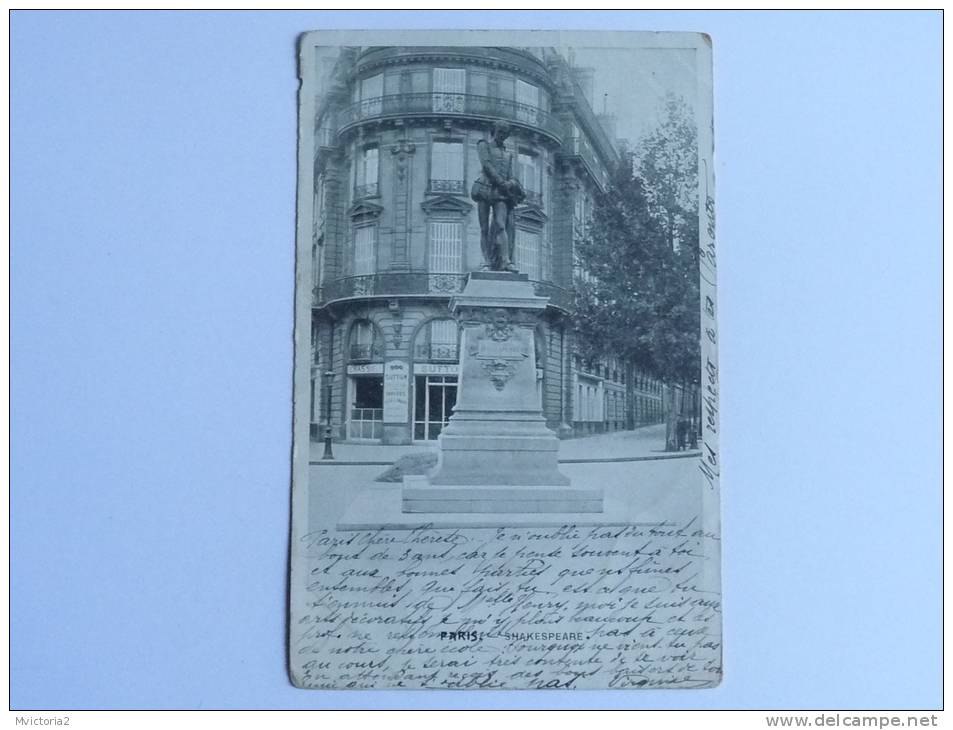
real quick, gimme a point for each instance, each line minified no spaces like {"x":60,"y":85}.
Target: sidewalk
{"x":647,"y":442}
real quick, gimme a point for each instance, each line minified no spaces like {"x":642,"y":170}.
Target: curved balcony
{"x":442,"y":105}
{"x":390,"y":285}
{"x":420,"y":284}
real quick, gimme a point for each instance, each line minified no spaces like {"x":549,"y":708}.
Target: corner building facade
{"x":395,"y":232}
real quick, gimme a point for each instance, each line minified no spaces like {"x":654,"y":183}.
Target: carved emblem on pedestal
{"x":499,"y":328}
{"x":499,"y":372}
{"x":499,"y":348}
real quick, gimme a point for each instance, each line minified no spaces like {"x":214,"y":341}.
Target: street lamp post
{"x":328,"y":454}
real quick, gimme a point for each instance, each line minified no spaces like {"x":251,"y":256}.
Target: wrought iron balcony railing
{"x":392,"y":284}
{"x":442,"y":103}
{"x":437,"y":352}
{"x":453,"y":187}
{"x":365,"y":353}
{"x":421,"y":284}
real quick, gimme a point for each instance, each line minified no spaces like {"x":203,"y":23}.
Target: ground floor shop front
{"x":398,"y":402}
{"x":390,"y":375}
{"x":414,"y":407}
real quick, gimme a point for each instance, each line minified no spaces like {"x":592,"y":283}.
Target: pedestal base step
{"x":418,"y":495}
{"x":379,"y":507}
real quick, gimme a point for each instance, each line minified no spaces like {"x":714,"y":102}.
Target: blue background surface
{"x":153,"y":195}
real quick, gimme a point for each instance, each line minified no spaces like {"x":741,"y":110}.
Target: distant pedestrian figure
{"x":681,"y":433}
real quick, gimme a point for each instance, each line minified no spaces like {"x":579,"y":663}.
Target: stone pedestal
{"x":496,"y":453}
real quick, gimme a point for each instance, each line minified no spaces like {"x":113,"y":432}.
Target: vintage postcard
{"x":506,"y":461}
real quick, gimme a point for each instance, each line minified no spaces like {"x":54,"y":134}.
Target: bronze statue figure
{"x":497,"y":192}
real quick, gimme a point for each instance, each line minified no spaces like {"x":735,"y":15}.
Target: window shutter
{"x":447,"y":165}
{"x":449,"y":80}
{"x":446,"y":247}
{"x":449,"y":86}
{"x":527,"y":101}
{"x":443,"y":332}
{"x":364,"y":250}
{"x":527,"y":253}
{"x":372,"y":89}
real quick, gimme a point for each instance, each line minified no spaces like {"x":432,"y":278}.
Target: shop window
{"x":434,"y":399}
{"x":366,"y":412}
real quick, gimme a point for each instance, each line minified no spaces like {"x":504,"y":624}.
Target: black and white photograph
{"x":506,"y":414}
{"x":522,"y":359}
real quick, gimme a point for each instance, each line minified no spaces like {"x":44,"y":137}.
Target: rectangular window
{"x":319,"y":277}
{"x":505,"y":89}
{"x":446,"y":247}
{"x":493,"y":87}
{"x":528,"y":171}
{"x":527,"y":253}
{"x":545,"y":259}
{"x":365,"y":184}
{"x":364,"y":251}
{"x":420,"y":81}
{"x":446,"y":167}
{"x":392,"y":83}
{"x":319,"y":200}
{"x":449,"y":88}
{"x":315,"y":271}
{"x":372,"y":89}
{"x":527,"y":102}
{"x":478,"y":85}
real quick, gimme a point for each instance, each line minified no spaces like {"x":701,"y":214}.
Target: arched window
{"x":364,"y":344}
{"x":438,"y":341}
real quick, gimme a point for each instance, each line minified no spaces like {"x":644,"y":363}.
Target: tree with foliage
{"x":668,"y":165}
{"x":637,"y":291}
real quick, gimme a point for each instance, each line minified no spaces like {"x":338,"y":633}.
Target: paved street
{"x":657,"y":489}
{"x":646,"y":442}
{"x":631,"y":466}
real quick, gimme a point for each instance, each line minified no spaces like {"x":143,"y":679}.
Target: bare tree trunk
{"x":671,"y":417}
{"x":629,"y":395}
